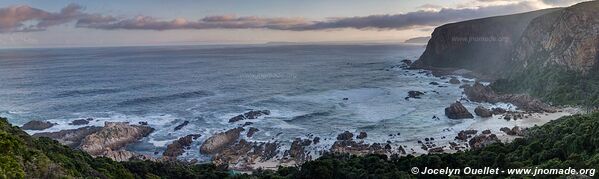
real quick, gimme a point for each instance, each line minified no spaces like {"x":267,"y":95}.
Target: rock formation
{"x":457,"y":111}
{"x":37,"y":125}
{"x":178,"y":146}
{"x":113,"y":136}
{"x":249,"y":115}
{"x":220,"y":140}
{"x":70,"y":137}
{"x":483,"y":112}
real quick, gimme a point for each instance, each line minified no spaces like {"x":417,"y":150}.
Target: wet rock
{"x":316,"y":140}
{"x":388,"y":147}
{"x":433,"y":83}
{"x":482,"y":140}
{"x":247,"y":124}
{"x":180,"y":126}
{"x":483,"y":112}
{"x":362,"y":135}
{"x":143,"y":123}
{"x":298,"y":151}
{"x":178,"y":146}
{"x":70,"y":137}
{"x":465,"y":134}
{"x":113,"y":136}
{"x":249,"y":115}
{"x":251,"y":131}
{"x":457,"y":111}
{"x":497,"y":111}
{"x":406,"y":62}
{"x":79,"y":122}
{"x":401,"y":150}
{"x":436,"y":150}
{"x":515,"y":131}
{"x":415,"y":94}
{"x":454,"y":81}
{"x":220,"y":140}
{"x":37,"y":125}
{"x":487,"y":131}
{"x":345,"y":136}
{"x":345,"y":99}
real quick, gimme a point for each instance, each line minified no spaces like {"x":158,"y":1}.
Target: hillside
{"x":23,"y":156}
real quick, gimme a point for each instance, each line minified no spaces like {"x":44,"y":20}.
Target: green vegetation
{"x":567,"y":142}
{"x":22,"y":156}
{"x":554,"y":84}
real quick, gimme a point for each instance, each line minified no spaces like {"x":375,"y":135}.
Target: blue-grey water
{"x":302,"y":85}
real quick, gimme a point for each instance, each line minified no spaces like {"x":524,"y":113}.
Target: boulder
{"x":220,"y":140}
{"x":483,"y":112}
{"x":37,"y":125}
{"x":113,"y":136}
{"x":79,"y":122}
{"x":316,"y":140}
{"x":415,"y":94}
{"x":457,"y":111}
{"x":497,"y":111}
{"x":345,"y":136}
{"x":482,"y":140}
{"x":487,"y":131}
{"x":454,"y":80}
{"x":362,"y":135}
{"x":465,"y":134}
{"x":180,"y":126}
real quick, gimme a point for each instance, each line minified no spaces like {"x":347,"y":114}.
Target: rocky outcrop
{"x":465,"y":134}
{"x":243,"y":153}
{"x":483,"y":140}
{"x":220,"y":140}
{"x":249,"y":115}
{"x":515,"y":131}
{"x":362,"y":135}
{"x":81,"y":122}
{"x":481,"y":93}
{"x":37,"y":125}
{"x":70,"y":137}
{"x":457,"y":111}
{"x":298,"y":151}
{"x":113,"y":136}
{"x":251,"y":131}
{"x":178,"y":146}
{"x":483,"y":112}
{"x":345,"y":136}
{"x":480,"y":45}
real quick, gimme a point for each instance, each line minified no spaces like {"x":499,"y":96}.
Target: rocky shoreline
{"x":231,"y":147}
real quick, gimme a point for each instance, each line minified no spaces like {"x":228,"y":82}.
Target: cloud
{"x":419,"y":18}
{"x":24,"y":18}
{"x":210,"y":22}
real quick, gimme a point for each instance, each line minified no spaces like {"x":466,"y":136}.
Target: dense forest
{"x":567,"y":142}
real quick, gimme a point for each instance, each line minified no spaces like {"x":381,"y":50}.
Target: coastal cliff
{"x":478,"y":45}
{"x":551,"y":54}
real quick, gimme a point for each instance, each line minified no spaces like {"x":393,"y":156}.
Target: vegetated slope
{"x":22,"y":156}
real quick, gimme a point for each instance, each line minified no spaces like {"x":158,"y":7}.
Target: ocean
{"x":303,"y":86}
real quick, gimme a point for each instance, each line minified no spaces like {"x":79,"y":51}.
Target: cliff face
{"x":567,"y":38}
{"x":479,"y":45}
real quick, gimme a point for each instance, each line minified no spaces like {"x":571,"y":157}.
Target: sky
{"x":72,"y":23}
